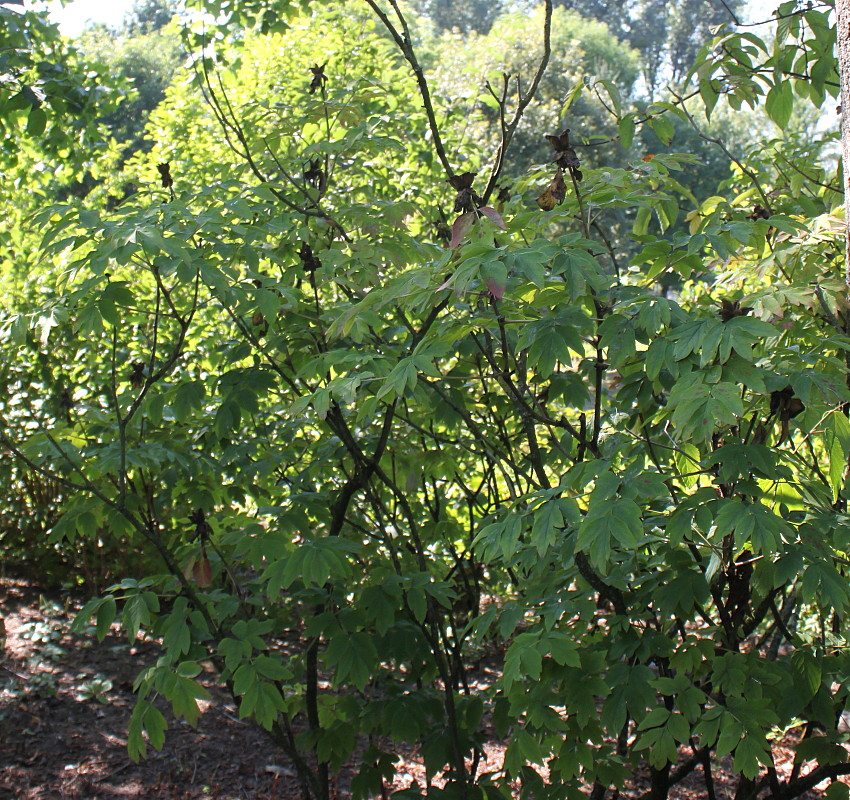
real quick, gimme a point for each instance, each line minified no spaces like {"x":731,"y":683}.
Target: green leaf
{"x":184,"y":693}
{"x":562,"y":648}
{"x":353,"y":656}
{"x":271,"y":668}
{"x":36,"y":122}
{"x":837,"y":791}
{"x":188,"y":397}
{"x":749,"y":752}
{"x":662,"y":127}
{"x":679,"y":728}
{"x":402,"y":380}
{"x":837,"y":462}
{"x":176,"y":634}
{"x":552,"y":338}
{"x":657,"y":717}
{"x":135,"y":615}
{"x":731,"y":732}
{"x":618,"y":521}
{"x":523,"y":661}
{"x":709,"y":96}
{"x":244,"y":679}
{"x":418,"y":603}
{"x":779,"y":103}
{"x":500,"y":539}
{"x":699,"y":409}
{"x":145,"y":719}
{"x":626,"y":130}
{"x":106,"y":614}
{"x":548,"y":521}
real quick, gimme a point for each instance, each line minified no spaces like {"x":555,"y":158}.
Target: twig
{"x":731,"y":12}
{"x":522,"y":103}
{"x":405,"y":45}
{"x":719,"y":142}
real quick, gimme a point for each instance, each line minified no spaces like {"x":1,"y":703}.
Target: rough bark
{"x":842,"y":32}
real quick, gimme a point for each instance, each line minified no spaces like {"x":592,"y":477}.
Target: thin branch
{"x":231,"y":127}
{"x":522,"y":103}
{"x":821,"y":773}
{"x":776,"y":16}
{"x":405,"y":45}
{"x":45,"y":473}
{"x":719,"y":142}
{"x":513,"y":391}
{"x":731,"y":13}
{"x":828,"y":186}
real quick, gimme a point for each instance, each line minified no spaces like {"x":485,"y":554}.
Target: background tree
{"x":147,"y":16}
{"x":843,"y":53}
{"x":51,"y":99}
{"x":582,"y":50}
{"x":145,"y":54}
{"x":667,"y":35}
{"x":464,"y":17}
{"x":45,"y":100}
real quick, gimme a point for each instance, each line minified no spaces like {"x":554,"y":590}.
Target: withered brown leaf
{"x":137,"y":374}
{"x":314,"y":175}
{"x":565,"y":156}
{"x":165,"y":175}
{"x":319,"y":77}
{"x":554,"y":194}
{"x":731,"y":309}
{"x":785,"y":404}
{"x":202,"y":527}
{"x":466,"y":199}
{"x":309,"y":261}
{"x":759,"y":212}
{"x":462,"y":181}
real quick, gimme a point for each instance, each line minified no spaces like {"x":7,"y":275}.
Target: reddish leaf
{"x":495,"y":276}
{"x":198,"y":569}
{"x":461,"y":227}
{"x":498,"y":291}
{"x":202,"y":572}
{"x":494,"y":216}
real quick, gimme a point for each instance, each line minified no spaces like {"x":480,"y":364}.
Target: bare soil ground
{"x":61,"y":738}
{"x":65,"y":704}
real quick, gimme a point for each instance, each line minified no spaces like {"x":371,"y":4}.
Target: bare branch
{"x":522,"y":103}
{"x":405,"y":45}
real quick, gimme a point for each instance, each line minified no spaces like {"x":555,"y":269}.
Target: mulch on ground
{"x":55,"y":742}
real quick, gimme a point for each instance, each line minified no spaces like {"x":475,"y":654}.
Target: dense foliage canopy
{"x":410,"y":353}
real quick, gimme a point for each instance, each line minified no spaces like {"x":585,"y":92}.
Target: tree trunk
{"x":659,"y":783}
{"x":842,"y":35}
